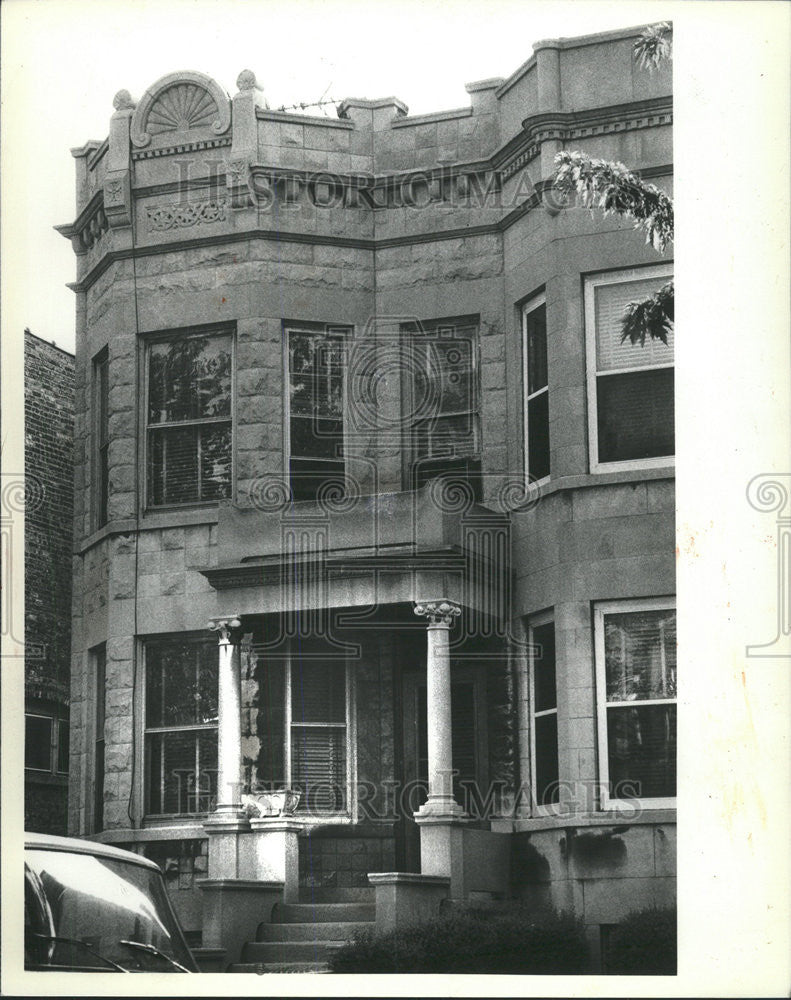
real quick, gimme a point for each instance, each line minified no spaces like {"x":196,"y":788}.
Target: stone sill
{"x":407,"y":878}
{"x":606,"y":479}
{"x":649,"y":817}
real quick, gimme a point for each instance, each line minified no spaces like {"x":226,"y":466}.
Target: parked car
{"x":94,"y":908}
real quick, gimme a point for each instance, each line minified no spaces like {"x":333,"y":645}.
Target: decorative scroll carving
{"x":438,"y":612}
{"x":183,"y":216}
{"x":227,"y":629}
{"x":180,"y":103}
{"x":123,"y":101}
{"x":246,"y":80}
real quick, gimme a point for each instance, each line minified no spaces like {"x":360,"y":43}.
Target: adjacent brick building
{"x":339,"y":380}
{"x":49,"y":474}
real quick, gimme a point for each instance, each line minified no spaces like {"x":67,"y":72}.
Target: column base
{"x":225,"y":814}
{"x":439,"y":809}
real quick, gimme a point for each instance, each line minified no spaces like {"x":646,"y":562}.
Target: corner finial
{"x":123,"y":101}
{"x":246,"y":80}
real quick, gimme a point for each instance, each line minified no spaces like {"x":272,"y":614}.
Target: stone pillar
{"x":549,"y":100}
{"x":229,"y":710}
{"x":440,"y":802}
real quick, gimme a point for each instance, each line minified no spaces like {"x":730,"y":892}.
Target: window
{"x":189,"y":418}
{"x":46,"y":743}
{"x":636,"y":684}
{"x":100,"y":662}
{"x":101,"y":437}
{"x":441,"y":401}
{"x":630,"y":388}
{"x":544,"y":702}
{"x":304,"y":721}
{"x":316,"y":411}
{"x":536,"y":405}
{"x":180,"y":726}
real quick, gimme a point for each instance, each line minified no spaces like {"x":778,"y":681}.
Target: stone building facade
{"x":49,"y":474}
{"x":352,"y":392}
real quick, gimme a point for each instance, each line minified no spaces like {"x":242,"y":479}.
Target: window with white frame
{"x":189,"y":414}
{"x":636,"y":689}
{"x":315,"y":411}
{"x":630,"y":387}
{"x":304,"y":727}
{"x":544,"y":704}
{"x":441,"y":401}
{"x":46,"y":743}
{"x":181,"y":678}
{"x":536,"y":388}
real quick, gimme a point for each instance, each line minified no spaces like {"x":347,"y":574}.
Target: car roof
{"x":74,"y":845}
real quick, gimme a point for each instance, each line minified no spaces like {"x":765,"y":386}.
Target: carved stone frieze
{"x":185,"y":215}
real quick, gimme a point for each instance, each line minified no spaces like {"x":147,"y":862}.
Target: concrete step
{"x":261,"y":968}
{"x":329,"y":931}
{"x":360,"y":894}
{"x":320,"y":913}
{"x":287,"y":952}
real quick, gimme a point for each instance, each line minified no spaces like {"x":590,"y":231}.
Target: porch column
{"x":440,"y":802}
{"x":229,"y":723}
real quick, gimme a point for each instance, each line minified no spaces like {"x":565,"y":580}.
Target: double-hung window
{"x":46,"y":743}
{"x":180,"y":726}
{"x":101,"y":437}
{"x":441,"y":401}
{"x":304,"y":725}
{"x":315,"y":411}
{"x":189,"y":412}
{"x":536,"y":384}
{"x":630,"y":387}
{"x":636,"y":695}
{"x":544,"y":702}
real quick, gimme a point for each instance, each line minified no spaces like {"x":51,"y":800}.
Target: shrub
{"x":644,"y":944}
{"x":470,"y":942}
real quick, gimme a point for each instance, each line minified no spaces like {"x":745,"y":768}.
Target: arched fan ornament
{"x":181,"y":102}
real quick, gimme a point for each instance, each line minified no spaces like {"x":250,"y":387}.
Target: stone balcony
{"x":366,"y":550}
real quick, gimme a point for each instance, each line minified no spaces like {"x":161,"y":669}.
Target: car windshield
{"x":89,"y":912}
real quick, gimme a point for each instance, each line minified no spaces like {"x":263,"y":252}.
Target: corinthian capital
{"x":438,"y":612}
{"x":227,"y":628}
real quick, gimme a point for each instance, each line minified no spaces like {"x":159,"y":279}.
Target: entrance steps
{"x":302,"y":936}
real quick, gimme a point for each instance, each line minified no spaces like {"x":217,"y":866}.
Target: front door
{"x":468,"y":743}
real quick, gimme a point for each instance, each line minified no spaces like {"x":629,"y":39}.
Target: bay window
{"x":189,"y":418}
{"x":630,"y":387}
{"x":536,"y":388}
{"x":636,"y":688}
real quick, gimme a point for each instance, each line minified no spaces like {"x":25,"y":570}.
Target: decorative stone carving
{"x":438,"y":612}
{"x":164,"y":217}
{"x":114,"y":192}
{"x":123,"y":101}
{"x":260,"y":805}
{"x":246,"y":80}
{"x":181,"y":103}
{"x":227,"y":629}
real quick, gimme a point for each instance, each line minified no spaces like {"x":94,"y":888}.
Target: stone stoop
{"x":302,"y":935}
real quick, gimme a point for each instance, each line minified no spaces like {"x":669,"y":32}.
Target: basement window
{"x":189,"y":418}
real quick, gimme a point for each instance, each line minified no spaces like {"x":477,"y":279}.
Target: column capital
{"x":227,"y":628}
{"x":438,"y":613}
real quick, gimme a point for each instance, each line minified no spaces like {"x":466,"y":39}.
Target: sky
{"x":64,"y":60}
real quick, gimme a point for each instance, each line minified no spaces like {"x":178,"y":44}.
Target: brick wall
{"x":49,"y":437}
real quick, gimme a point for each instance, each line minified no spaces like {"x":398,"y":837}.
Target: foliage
{"x":644,"y":943}
{"x":650,"y":317}
{"x":654,"y":46}
{"x":471,"y":942}
{"x":616,"y":190}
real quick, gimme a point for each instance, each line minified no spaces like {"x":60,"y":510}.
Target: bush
{"x":644,"y":944}
{"x":481,"y":942}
